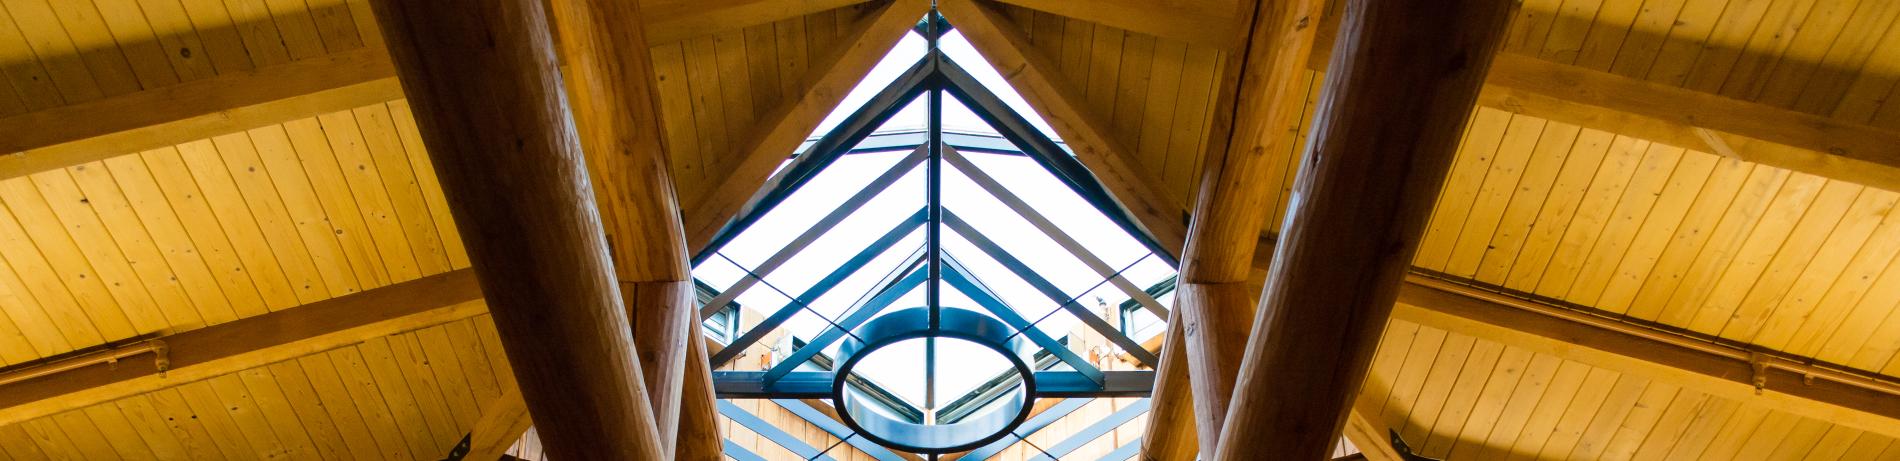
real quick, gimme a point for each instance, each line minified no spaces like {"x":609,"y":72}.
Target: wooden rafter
{"x":670,"y":21}
{"x":253,"y":342}
{"x":1219,"y":24}
{"x":1386,"y":131}
{"x":616,"y":111}
{"x":1034,"y":75}
{"x":1717,"y":124}
{"x":781,"y":131}
{"x":1215,"y":302}
{"x":504,"y":146}
{"x":233,"y":102}
{"x":1559,"y":332}
{"x":503,"y":421}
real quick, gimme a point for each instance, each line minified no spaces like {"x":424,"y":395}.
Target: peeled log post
{"x":1405,"y":75}
{"x":1215,"y":304}
{"x":619,"y":126}
{"x":699,"y":438}
{"x":1170,"y":433}
{"x":489,"y":104}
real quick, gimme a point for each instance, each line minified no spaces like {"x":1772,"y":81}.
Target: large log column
{"x":490,"y":106}
{"x":1214,"y":302}
{"x":618,"y":117}
{"x":1405,"y":74}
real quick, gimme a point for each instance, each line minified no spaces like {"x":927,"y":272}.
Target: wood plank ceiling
{"x":236,"y":225}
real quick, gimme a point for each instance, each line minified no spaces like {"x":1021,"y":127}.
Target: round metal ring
{"x":913,"y":323}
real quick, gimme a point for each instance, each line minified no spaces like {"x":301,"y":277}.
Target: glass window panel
{"x":960,"y":51}
{"x":908,"y":51}
{"x":1015,"y":235}
{"x":856,"y":232}
{"x":778,"y":226}
{"x":1069,"y":212}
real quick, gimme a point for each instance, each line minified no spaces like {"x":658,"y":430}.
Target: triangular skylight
{"x":934,"y":186}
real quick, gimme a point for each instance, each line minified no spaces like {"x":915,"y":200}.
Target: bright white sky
{"x":961,"y":365}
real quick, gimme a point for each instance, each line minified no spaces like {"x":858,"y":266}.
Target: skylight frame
{"x":932,"y":77}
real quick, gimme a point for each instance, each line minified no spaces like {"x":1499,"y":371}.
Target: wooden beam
{"x":253,"y":342}
{"x":1753,"y":132}
{"x":674,"y":20}
{"x":780,"y":132}
{"x":228,"y":103}
{"x":507,"y":154}
{"x":1170,"y":434}
{"x":617,"y":113}
{"x":1371,"y":440}
{"x":1214,"y":24}
{"x":1557,"y":331}
{"x":1387,"y":127}
{"x":698,"y":438}
{"x":232,"y":102}
{"x":1682,"y":117}
{"x":1034,"y":75}
{"x":1214,"y":300}
{"x":503,"y":421}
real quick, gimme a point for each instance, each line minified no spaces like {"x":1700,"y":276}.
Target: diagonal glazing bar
{"x":960,"y":84}
{"x":828,"y":148}
{"x":958,"y":277}
{"x":870,"y":309}
{"x":817,"y":230}
{"x":1049,"y":289}
{"x":818,"y":289}
{"x":1088,"y":258}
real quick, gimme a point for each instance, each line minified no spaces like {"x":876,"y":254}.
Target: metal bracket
{"x":161,"y":357}
{"x":1759,"y":363}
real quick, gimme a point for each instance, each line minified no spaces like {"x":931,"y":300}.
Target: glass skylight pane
{"x":909,"y":50}
{"x":898,"y":368}
{"x":883,"y":213}
{"x":959,"y":50}
{"x":1015,"y":292}
{"x":780,"y":225}
{"x":1076,"y":217}
{"x":860,"y":286}
{"x":717,"y":273}
{"x":962,"y":366}
{"x":1015,"y":235}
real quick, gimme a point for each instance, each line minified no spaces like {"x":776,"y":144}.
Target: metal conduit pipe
{"x":157,"y":347}
{"x":1760,"y":361}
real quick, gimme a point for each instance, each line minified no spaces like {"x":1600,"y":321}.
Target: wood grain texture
{"x":512,"y":170}
{"x":1213,"y":299}
{"x":760,"y":153}
{"x":1036,"y":77}
{"x":1384,"y":136}
{"x":616,"y":110}
{"x":255,"y":341}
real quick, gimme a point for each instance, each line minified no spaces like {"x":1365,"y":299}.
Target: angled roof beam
{"x":70,"y":135}
{"x":616,"y":111}
{"x":1749,"y":131}
{"x":50,"y":139}
{"x":670,"y":21}
{"x":253,"y":342}
{"x":505,"y":149}
{"x":780,"y":132}
{"x":503,"y":421}
{"x":1387,"y":128}
{"x":1034,"y":75}
{"x":1215,"y":300}
{"x":1200,"y":26}
{"x":1720,"y":370}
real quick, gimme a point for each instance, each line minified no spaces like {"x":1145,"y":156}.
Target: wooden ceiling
{"x":245,"y":212}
